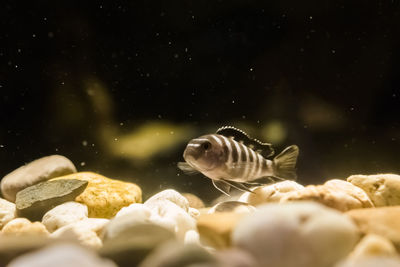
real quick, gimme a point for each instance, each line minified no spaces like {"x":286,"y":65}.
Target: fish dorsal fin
{"x":265,"y":149}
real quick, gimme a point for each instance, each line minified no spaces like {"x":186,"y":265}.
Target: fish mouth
{"x":191,"y":154}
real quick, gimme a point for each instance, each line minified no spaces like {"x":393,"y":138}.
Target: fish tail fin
{"x":285,"y":163}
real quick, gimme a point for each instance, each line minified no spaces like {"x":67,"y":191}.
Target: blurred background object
{"x":120,"y":87}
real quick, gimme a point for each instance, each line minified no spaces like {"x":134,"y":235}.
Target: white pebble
{"x":61,"y":255}
{"x":7,"y":212}
{"x":86,"y":232}
{"x":172,"y":196}
{"x":64,"y":214}
{"x":299,"y":234}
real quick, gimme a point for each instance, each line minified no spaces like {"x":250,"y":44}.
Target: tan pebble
{"x":373,"y":245}
{"x":351,"y":190}
{"x":215,"y":229}
{"x":382,"y":189}
{"x":270,"y":193}
{"x":232,"y":206}
{"x":103,"y":196}
{"x":22,"y":226}
{"x":194,"y":201}
{"x":337,"y":194}
{"x":383,"y":221}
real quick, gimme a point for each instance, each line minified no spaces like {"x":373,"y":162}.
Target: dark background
{"x":327,"y":72}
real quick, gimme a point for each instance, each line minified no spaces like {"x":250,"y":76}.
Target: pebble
{"x":35,"y":172}
{"x":171,"y":210}
{"x":7,"y":212}
{"x":22,"y":226}
{"x":64,"y":214}
{"x":62,"y":255}
{"x":127,"y":218}
{"x":382,"y":189}
{"x":371,"y":262}
{"x":383,"y":221}
{"x":235,"y":257}
{"x":299,"y":234}
{"x":103,"y":196}
{"x":86,"y":232}
{"x":372,"y":250}
{"x":131,"y":246}
{"x":234,"y":206}
{"x":269,"y":193}
{"x":194,"y":201}
{"x":171,"y":216}
{"x":173,"y":254}
{"x":337,"y":194}
{"x":373,"y":245}
{"x":34,"y":201}
{"x":215,"y":229}
{"x":12,"y":246}
{"x":172,"y":196}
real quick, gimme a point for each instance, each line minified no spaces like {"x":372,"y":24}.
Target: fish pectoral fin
{"x":265,"y":180}
{"x":239,"y":186}
{"x":186,"y":168}
{"x":222,"y":186}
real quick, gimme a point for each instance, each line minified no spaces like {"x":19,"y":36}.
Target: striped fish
{"x":230,"y":158}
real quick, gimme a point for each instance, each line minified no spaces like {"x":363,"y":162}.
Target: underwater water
{"x":121,"y":89}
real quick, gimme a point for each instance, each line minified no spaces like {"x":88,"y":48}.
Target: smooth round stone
{"x":64,"y":214}
{"x":62,"y":255}
{"x":11,"y":246}
{"x":215,"y":229}
{"x":170,"y":195}
{"x":7,"y":212}
{"x":232,"y":206}
{"x":270,"y":193}
{"x":35,"y":172}
{"x":296,"y":234}
{"x":373,"y":245}
{"x":173,"y":254}
{"x":131,"y":246}
{"x":383,"y":221}
{"x":172,"y":216}
{"x":371,"y":262}
{"x":194,"y":201}
{"x":337,"y":194}
{"x":86,"y":232}
{"x":34,"y":201}
{"x":382,"y":189}
{"x":103,"y":196}
{"x":22,"y":226}
{"x":234,"y":257}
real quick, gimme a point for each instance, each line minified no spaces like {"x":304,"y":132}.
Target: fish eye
{"x":206,"y":145}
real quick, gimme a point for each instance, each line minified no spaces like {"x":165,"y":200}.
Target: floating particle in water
{"x":115,"y":139}
{"x":84,"y":143}
{"x":83,"y":163}
{"x":1,"y":146}
{"x":121,"y":124}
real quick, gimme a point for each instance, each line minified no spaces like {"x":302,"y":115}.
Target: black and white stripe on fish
{"x":232,"y":159}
